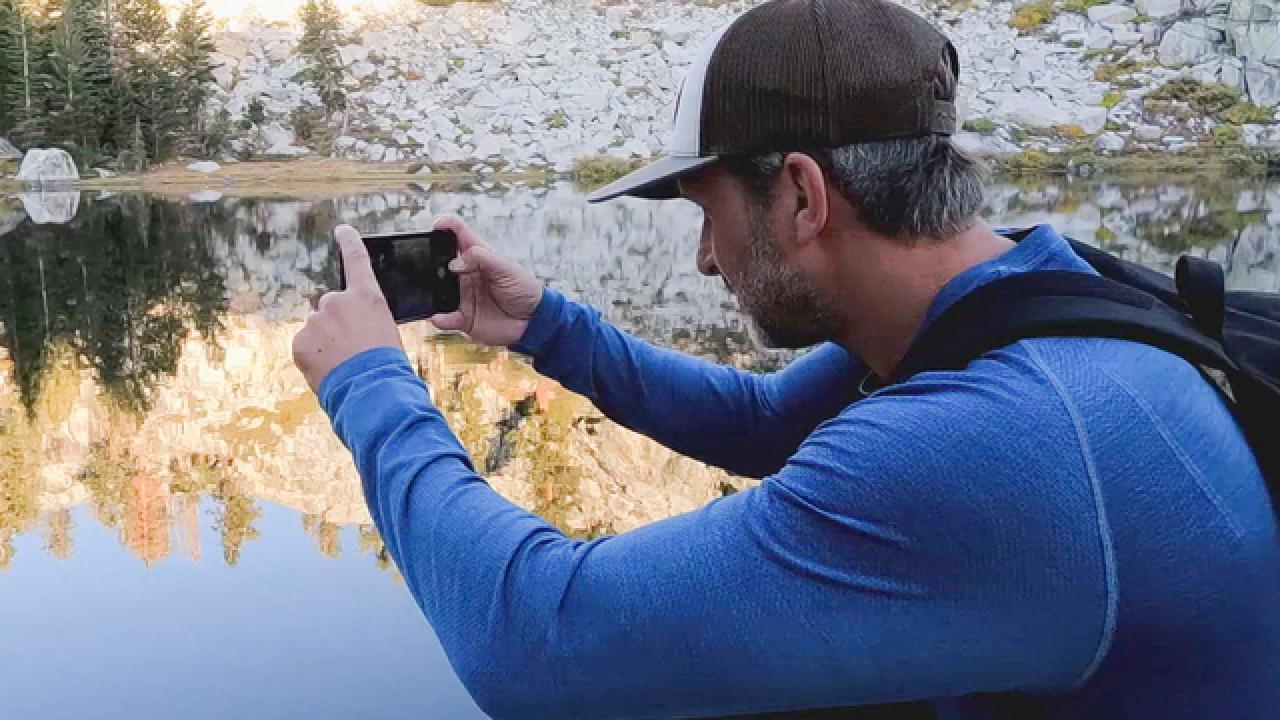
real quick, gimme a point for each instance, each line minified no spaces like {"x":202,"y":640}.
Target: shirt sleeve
{"x":871,"y":568}
{"x":747,"y":423}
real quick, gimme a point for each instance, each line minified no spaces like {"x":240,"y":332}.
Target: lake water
{"x":182,"y":535}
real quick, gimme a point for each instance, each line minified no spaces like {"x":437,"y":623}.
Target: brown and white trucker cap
{"x":802,"y":75}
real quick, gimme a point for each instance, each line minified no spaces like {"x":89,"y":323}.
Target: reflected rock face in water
{"x":1233,"y":222}
{"x":146,"y":371}
{"x":10,"y":217}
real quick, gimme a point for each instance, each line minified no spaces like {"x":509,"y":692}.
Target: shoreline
{"x":318,"y":176}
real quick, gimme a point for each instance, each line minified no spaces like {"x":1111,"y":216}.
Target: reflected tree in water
{"x":370,"y":543}
{"x":57,"y":533}
{"x":235,"y":510}
{"x":107,"y":302}
{"x":122,"y":284}
{"x":325,"y":533}
{"x":236,"y":516}
{"x":17,"y":487}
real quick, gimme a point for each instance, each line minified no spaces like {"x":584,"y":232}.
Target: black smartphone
{"x":413,"y":271}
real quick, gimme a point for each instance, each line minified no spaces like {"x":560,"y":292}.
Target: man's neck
{"x":890,"y":287}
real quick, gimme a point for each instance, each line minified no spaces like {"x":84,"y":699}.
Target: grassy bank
{"x":321,"y":177}
{"x":1083,"y":161}
{"x":305,"y":177}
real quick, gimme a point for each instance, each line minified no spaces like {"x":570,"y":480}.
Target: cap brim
{"x":655,"y":181}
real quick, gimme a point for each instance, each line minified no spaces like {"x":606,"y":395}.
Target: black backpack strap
{"x":1203,"y":285}
{"x":1055,"y":303}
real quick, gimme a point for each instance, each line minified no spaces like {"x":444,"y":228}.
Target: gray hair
{"x":910,"y":189}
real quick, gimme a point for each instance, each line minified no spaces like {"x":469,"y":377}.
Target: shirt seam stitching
{"x":1177,"y":449}
{"x":1104,"y":530}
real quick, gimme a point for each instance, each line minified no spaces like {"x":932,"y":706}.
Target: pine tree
{"x":12,"y":81}
{"x":147,"y":108}
{"x":190,"y":61}
{"x":321,"y":36}
{"x":26,"y":49}
{"x":81,"y":66}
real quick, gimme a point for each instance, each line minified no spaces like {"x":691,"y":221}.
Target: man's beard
{"x":784,"y":309}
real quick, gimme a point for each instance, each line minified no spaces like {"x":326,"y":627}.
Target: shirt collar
{"x":1042,"y":249}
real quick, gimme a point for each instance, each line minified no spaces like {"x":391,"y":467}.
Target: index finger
{"x":356,"y":265}
{"x":467,"y":237}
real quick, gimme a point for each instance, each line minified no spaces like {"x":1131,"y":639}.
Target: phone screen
{"x":413,"y":271}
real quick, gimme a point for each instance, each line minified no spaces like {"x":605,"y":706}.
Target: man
{"x":1066,"y":528}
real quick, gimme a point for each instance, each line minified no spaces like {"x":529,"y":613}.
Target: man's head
{"x":802,"y":121}
{"x":776,"y":225}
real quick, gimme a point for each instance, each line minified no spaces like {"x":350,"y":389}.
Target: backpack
{"x":1232,"y":337}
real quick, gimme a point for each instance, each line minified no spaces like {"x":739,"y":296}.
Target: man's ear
{"x":809,"y":188}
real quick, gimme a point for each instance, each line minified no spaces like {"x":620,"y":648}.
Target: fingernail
{"x":458,"y":265}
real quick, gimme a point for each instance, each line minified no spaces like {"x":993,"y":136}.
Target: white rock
{"x":279,"y":51}
{"x":204,"y":196}
{"x":1109,"y":142}
{"x":380,"y":41}
{"x":361,"y":69}
{"x":1264,"y":83}
{"x":1112,"y":14}
{"x":1090,"y":118}
{"x":104,"y":173}
{"x":46,"y":207}
{"x":343,"y":142}
{"x":353,"y":53}
{"x":275,"y":135}
{"x":1127,"y":37}
{"x":518,"y":32}
{"x":445,"y":151}
{"x":1149,"y":133}
{"x":1255,"y":30}
{"x":488,"y":146}
{"x":1029,"y":109}
{"x":1186,"y":42}
{"x":204,"y":166}
{"x":1156,"y":9}
{"x":1151,"y":33}
{"x":223,"y":69}
{"x":616,"y":15}
{"x":636,"y":148}
{"x":45,"y":167}
{"x":486,"y":99}
{"x":1099,"y":38}
{"x":286,"y":150}
{"x":984,"y":144}
{"x":1252,"y":135}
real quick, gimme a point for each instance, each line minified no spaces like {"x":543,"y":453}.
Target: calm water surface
{"x":181,"y":534}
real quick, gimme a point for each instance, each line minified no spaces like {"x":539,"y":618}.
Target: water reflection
{"x":145,"y":372}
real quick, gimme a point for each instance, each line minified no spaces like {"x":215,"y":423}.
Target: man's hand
{"x":498,"y":296}
{"x":345,"y":324}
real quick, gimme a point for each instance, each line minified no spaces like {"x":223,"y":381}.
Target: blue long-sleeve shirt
{"x":1077,"y":521}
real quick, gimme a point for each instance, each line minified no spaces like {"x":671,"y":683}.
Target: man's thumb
{"x":477,"y":259}
{"x":466,"y":263}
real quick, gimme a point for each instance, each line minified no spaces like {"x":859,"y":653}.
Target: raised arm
{"x":842,"y":580}
{"x":747,"y":423}
{"x":744,"y":422}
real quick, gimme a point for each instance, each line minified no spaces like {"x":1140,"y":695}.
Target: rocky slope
{"x":519,"y":83}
